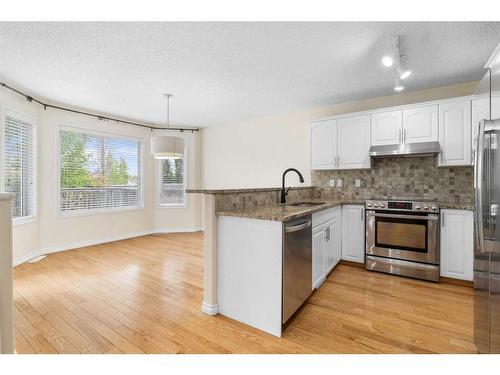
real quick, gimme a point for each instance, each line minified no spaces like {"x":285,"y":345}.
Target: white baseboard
{"x":177,"y":230}
{"x":76,"y":245}
{"x":209,"y":309}
{"x":25,"y":258}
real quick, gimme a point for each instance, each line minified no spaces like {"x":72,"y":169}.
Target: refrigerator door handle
{"x":478,"y":176}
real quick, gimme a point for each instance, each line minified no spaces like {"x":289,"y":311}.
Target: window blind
{"x":19,"y":164}
{"x":172,"y":190}
{"x":99,"y":172}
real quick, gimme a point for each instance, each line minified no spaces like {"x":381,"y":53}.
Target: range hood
{"x":406,"y":149}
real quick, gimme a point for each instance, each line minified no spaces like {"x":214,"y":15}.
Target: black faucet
{"x":284,"y":191}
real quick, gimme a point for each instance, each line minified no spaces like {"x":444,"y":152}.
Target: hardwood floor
{"x":144,"y":295}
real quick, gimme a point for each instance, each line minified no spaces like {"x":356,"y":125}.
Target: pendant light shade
{"x":164,"y":146}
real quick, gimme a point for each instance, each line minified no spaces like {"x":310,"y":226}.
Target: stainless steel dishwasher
{"x":297,"y":264}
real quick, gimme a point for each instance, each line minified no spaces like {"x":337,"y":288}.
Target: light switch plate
{"x":332,"y":183}
{"x":339,"y":182}
{"x":357,"y":183}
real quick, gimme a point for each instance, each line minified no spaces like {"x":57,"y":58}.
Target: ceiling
{"x":222,"y":73}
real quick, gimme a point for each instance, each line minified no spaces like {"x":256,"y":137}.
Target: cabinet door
{"x":386,"y":128}
{"x":353,"y":233}
{"x":323,"y":144}
{"x":455,"y":133}
{"x":420,"y":124}
{"x":337,"y":236}
{"x":457,"y":244}
{"x":330,"y":245}
{"x":318,"y":253}
{"x":353,"y":140}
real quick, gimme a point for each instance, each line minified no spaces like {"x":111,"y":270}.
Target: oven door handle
{"x":399,"y":216}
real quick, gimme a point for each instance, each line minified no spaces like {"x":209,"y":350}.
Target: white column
{"x":210,"y":257}
{"x":6,"y":321}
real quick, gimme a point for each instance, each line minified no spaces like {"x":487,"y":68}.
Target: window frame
{"x":158,"y":184}
{"x":23,"y":116}
{"x":97,"y":211}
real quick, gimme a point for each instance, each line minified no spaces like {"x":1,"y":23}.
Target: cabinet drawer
{"x":322,"y":217}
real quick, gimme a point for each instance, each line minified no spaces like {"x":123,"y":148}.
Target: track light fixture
{"x":399,"y":61}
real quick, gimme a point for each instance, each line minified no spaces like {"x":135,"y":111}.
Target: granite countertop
{"x":247,"y":190}
{"x":283,"y":212}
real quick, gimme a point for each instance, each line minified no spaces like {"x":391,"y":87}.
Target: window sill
{"x":95,"y":212}
{"x":173,"y":205}
{"x":23,"y":220}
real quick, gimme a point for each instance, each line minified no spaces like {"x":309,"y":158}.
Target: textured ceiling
{"x":221,"y":73}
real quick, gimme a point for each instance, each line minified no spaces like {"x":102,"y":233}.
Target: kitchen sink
{"x":305,"y":204}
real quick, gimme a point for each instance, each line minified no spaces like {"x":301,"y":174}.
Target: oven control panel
{"x":401,"y":205}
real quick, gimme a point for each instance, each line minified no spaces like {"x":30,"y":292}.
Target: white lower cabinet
{"x":326,"y":243}
{"x":353,"y":233}
{"x":457,"y":247}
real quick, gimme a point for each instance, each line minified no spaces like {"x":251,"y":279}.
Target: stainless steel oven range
{"x":402,"y":238}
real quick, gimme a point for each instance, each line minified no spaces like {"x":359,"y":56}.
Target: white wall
{"x":53,"y":232}
{"x":255,"y":153}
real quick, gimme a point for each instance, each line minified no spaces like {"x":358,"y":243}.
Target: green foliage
{"x":173,"y":170}
{"x":75,"y":164}
{"x":74,"y":172}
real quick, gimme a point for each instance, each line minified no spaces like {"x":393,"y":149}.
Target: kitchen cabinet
{"x":457,"y":244}
{"x":341,"y":144}
{"x":324,"y":145}
{"x":420,"y":124}
{"x":326,"y":244}
{"x":318,"y":255}
{"x":353,"y":142}
{"x":386,"y":128}
{"x":481,"y":111}
{"x":353,"y":233}
{"x":455,"y":133}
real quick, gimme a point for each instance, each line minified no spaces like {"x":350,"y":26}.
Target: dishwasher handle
{"x":298,"y":227}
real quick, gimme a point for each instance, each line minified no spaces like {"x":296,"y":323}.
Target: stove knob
{"x":368,"y":205}
{"x":375,"y":205}
{"x":434,"y":208}
{"x":382,"y":205}
{"x":418,"y":207}
{"x":426,"y":208}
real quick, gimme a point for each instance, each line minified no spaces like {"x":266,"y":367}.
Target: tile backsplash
{"x":400,"y":177}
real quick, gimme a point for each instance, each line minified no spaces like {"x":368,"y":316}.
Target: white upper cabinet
{"x":480,"y":111}
{"x":324,"y":145}
{"x":353,"y":135}
{"x":455,"y":133}
{"x":420,"y":124}
{"x":386,"y":128}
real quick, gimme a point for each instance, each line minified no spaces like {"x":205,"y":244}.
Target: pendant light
{"x":163,"y":146}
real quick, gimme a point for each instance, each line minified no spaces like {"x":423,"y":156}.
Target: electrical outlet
{"x":332,"y":183}
{"x":357,"y":183}
{"x":339,"y":182}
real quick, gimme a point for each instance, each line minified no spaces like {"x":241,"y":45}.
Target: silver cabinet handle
{"x":414,"y":217}
{"x":399,"y":136}
{"x":296,"y":228}
{"x":362,"y":214}
{"x":442,"y":219}
{"x":478,"y":176}
{"x":404,"y":136}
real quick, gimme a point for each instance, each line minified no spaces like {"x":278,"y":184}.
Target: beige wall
{"x":54,"y":232}
{"x":255,"y":153}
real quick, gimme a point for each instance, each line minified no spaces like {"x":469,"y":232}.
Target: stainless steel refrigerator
{"x":486,"y":135}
